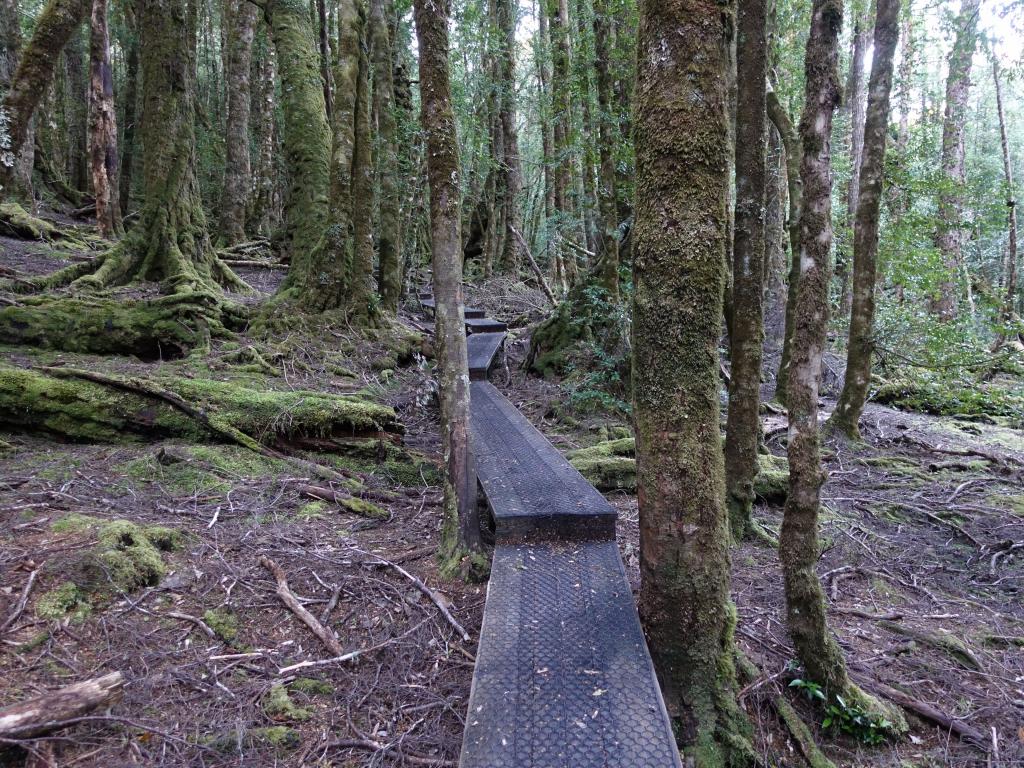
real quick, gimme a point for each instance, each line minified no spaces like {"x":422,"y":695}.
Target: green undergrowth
{"x":121,"y":557}
{"x":611,"y":466}
{"x":201,"y":468}
{"x":224,"y":624}
{"x":388,"y":461}
{"x":279,"y":738}
{"x":942,"y":395}
{"x":278,"y":705}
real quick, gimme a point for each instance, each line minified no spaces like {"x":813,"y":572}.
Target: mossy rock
{"x":611,"y":466}
{"x":90,"y":412}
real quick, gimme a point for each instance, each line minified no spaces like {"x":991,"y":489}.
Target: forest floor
{"x":923,"y":585}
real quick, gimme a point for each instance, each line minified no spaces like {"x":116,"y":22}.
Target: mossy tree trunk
{"x":389,"y":203}
{"x":511,"y":167}
{"x":952,"y":233}
{"x":1010,"y":265}
{"x":607,"y":192}
{"x":799,"y":547}
{"x":307,"y":134}
{"x":56,"y":23}
{"x":794,"y":158}
{"x":561,"y":107}
{"x":170,"y":243}
{"x":103,"y":158}
{"x":743,"y":431}
{"x":679,"y":277}
{"x":264,"y":210}
{"x":241,"y":28}
{"x":461,"y":545}
{"x":131,"y":97}
{"x":865,"y":234}
{"x":19,"y":175}
{"x":361,"y":280}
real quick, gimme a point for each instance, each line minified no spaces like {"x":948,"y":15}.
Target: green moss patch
{"x":311,"y":686}
{"x":224,"y":623}
{"x":928,"y":392}
{"x":276,"y":737}
{"x":63,"y":601}
{"x":279,"y":706}
{"x":387,"y":460}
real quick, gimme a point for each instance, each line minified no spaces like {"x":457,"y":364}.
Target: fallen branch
{"x":326,"y":636}
{"x":19,"y":608}
{"x":533,"y":265}
{"x":435,"y":598}
{"x":927,"y":711}
{"x":207,"y":630}
{"x":350,"y":656}
{"x":49,"y":711}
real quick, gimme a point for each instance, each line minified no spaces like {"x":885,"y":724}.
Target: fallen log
{"x":51,"y":711}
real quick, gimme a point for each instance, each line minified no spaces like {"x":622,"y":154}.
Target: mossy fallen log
{"x":611,"y":466}
{"x":15,"y":221}
{"x":59,"y":403}
{"x":159,"y":329}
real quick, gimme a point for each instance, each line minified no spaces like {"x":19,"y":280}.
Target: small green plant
{"x":811,"y":690}
{"x":852,"y":720}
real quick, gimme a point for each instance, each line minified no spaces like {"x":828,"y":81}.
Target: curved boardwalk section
{"x":563,"y":678}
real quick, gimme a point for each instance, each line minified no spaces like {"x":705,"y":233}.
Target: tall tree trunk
{"x":854,"y":103}
{"x":77,"y":106}
{"x":389,"y":221}
{"x":511,"y":167}
{"x":1010,"y":266}
{"x":237,"y":168}
{"x":264,"y":211}
{"x":323,"y":34}
{"x":307,"y":135}
{"x":799,"y":547}
{"x":542,"y":58}
{"x":360,"y":278}
{"x":679,"y":276}
{"x":775,"y":228}
{"x":952,"y":233}
{"x":103,"y":125}
{"x":460,"y":546}
{"x":865,"y":234}
{"x":588,"y":155}
{"x":607,"y":193}
{"x":131,"y":97}
{"x":15,"y":167}
{"x":794,"y":159}
{"x":743,"y":431}
{"x":54,"y":27}
{"x":561,"y":84}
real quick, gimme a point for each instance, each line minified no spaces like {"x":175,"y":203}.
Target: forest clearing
{"x":501,"y":384}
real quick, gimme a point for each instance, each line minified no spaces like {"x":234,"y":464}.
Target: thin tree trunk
{"x":952,"y":233}
{"x":131,"y":97}
{"x":237,"y":169}
{"x":794,"y":159}
{"x":799,"y":547}
{"x":389,"y":222}
{"x":865,"y":234}
{"x":54,"y":27}
{"x":775,"y":228}
{"x":854,"y":103}
{"x":360,"y":278}
{"x":325,"y":56}
{"x":558,"y":17}
{"x":1010,"y":266}
{"x":19,"y":178}
{"x":607,"y":192}
{"x":679,"y":275}
{"x":77,"y":105}
{"x":264,"y":211}
{"x":461,"y":548}
{"x":103,"y":125}
{"x":743,"y":431}
{"x":511,"y":168}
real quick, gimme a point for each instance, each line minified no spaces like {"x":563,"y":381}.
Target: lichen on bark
{"x":679,"y":278}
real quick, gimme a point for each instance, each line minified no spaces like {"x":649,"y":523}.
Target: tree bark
{"x":794,"y":159}
{"x":460,"y":546}
{"x":389,"y":207}
{"x":561,"y":106}
{"x":19,"y":178}
{"x":607,"y":192}
{"x":746,"y":341}
{"x":951,"y":233}
{"x":679,"y":276}
{"x":511,"y":167}
{"x":854,"y":103}
{"x":103,"y":159}
{"x":307,"y":134}
{"x":264,"y":212}
{"x":846,"y":416}
{"x":361,"y":281}
{"x":77,"y":113}
{"x":323,"y":35}
{"x":1010,"y":265}
{"x":131,"y":97}
{"x":237,"y":168}
{"x":54,"y":27}
{"x":44,"y":714}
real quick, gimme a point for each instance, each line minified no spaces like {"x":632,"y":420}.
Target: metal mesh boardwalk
{"x":563,"y":678}
{"x":533,"y":492}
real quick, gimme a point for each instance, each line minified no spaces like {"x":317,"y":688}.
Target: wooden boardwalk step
{"x":533,"y":492}
{"x":485,"y":325}
{"x":483,"y":350}
{"x":470,"y":313}
{"x":563,"y":678}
